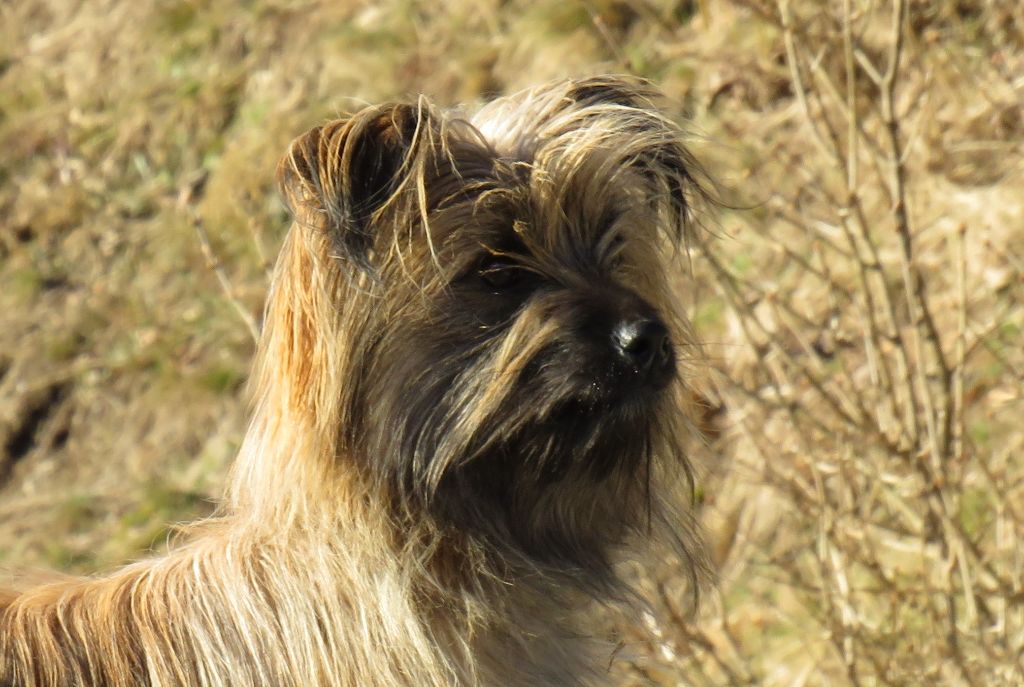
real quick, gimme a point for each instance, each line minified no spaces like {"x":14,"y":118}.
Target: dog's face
{"x":519,"y":352}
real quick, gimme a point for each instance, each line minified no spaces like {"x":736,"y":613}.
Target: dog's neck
{"x":250,"y":605}
{"x":474,"y":608}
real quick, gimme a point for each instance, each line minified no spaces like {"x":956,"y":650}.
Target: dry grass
{"x":863,"y":303}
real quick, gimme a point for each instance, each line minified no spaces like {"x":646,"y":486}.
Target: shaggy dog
{"x":470,"y":407}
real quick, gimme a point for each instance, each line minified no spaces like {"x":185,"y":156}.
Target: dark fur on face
{"x":519,"y":351}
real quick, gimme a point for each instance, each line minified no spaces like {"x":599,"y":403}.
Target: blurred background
{"x":862,"y":305}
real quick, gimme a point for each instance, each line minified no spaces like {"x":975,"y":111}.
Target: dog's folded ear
{"x":653,"y":144}
{"x":627,"y":116}
{"x":338,"y":177}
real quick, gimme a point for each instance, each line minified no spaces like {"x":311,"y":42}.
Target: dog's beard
{"x":563,"y":487}
{"x":549,"y":464}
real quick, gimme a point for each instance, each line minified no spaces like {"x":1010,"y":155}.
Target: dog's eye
{"x":500,"y":273}
{"x":614,"y":254}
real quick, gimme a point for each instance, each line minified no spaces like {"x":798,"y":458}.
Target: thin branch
{"x":214,"y":263}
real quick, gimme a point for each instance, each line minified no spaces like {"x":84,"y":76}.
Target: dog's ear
{"x":341,"y":175}
{"x":648,"y":141}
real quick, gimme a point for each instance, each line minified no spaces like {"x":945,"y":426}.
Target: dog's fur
{"x":448,"y":457}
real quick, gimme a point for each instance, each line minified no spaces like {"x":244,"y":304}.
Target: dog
{"x":470,"y":408}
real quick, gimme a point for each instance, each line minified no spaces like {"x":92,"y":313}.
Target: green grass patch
{"x":25,"y":283}
{"x":176,"y":17}
{"x":78,"y":513}
{"x":148,"y":525}
{"x":976,"y":512}
{"x":980,"y":432}
{"x":709,"y":314}
{"x":223,"y":379}
{"x":741,"y":265}
{"x":61,"y":557}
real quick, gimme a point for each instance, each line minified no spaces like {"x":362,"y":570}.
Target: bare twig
{"x":213,"y":262}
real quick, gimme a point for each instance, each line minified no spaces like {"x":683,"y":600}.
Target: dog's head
{"x":481,"y":310}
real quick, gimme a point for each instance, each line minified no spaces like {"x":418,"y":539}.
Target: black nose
{"x":645,"y":346}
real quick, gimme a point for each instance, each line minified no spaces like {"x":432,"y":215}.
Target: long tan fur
{"x":311,"y":574}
